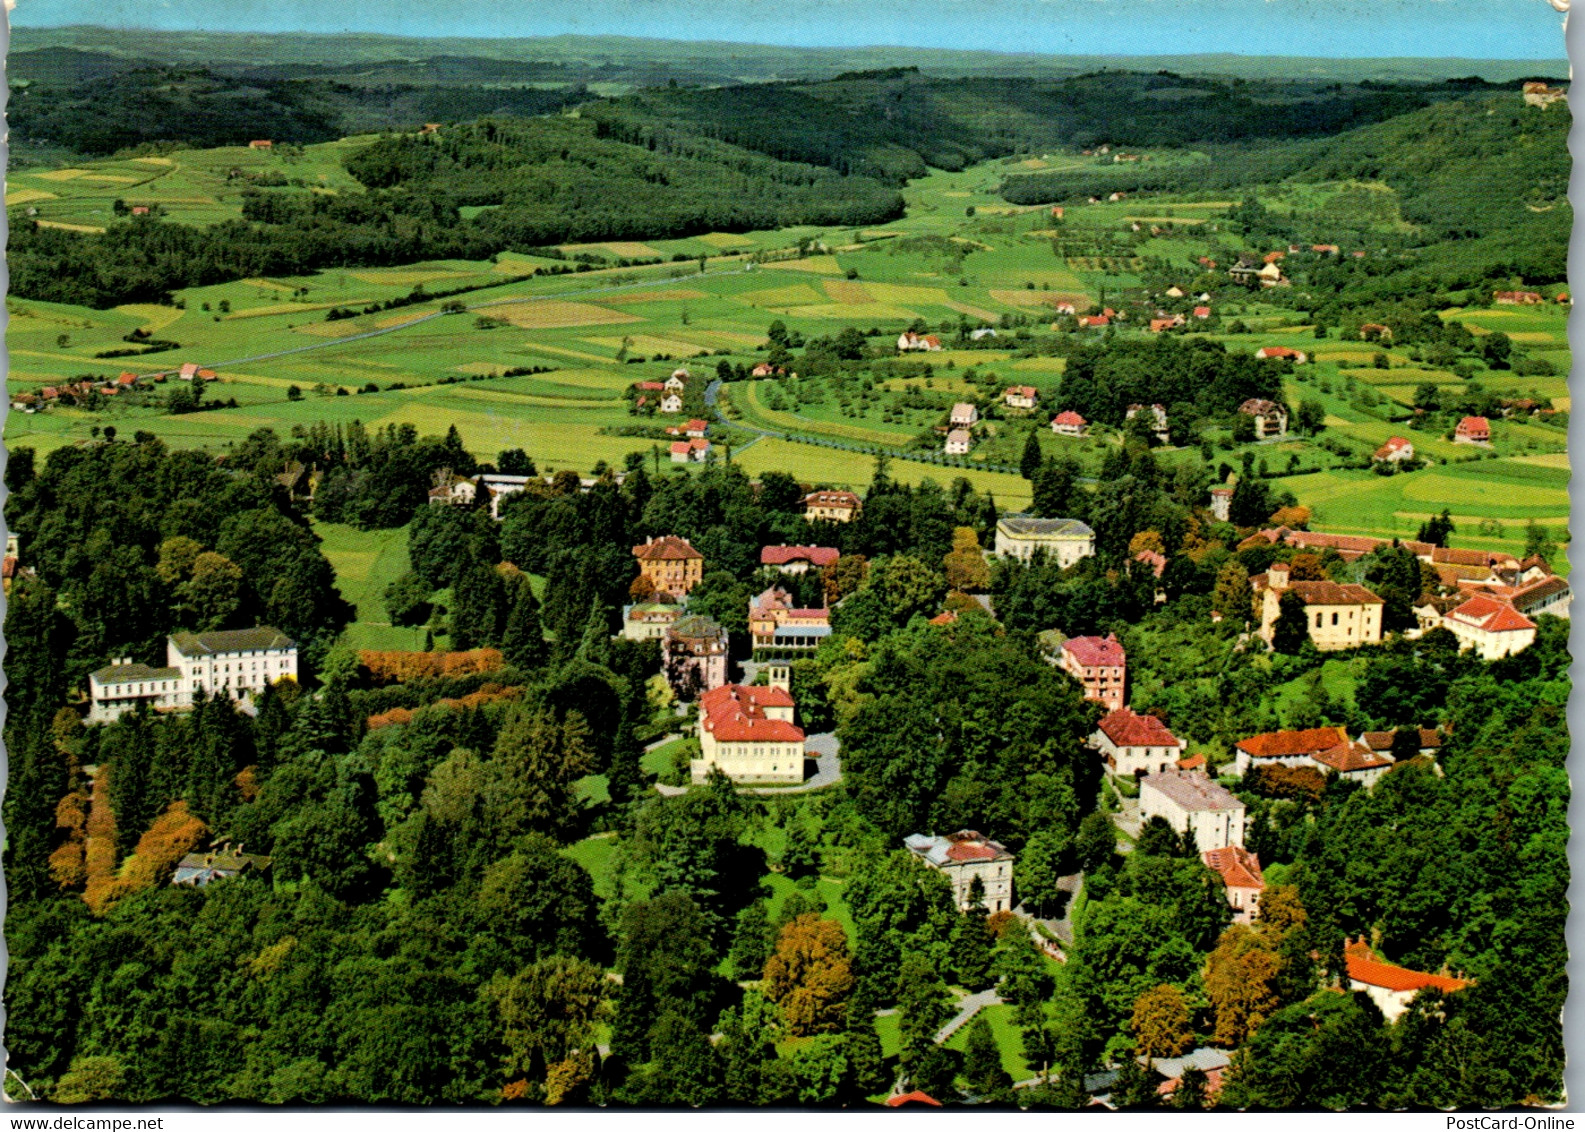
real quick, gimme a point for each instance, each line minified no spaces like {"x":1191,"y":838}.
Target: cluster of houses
{"x":960,"y":428}
{"x":1495,"y":595}
{"x":908,"y":342}
{"x":666,"y":395}
{"x":72,"y":392}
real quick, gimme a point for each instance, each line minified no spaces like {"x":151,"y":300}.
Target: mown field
{"x":962,"y":253}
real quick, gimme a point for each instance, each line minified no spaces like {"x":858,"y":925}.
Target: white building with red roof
{"x":1285,"y":748}
{"x":690,"y":451}
{"x":1472,"y":430}
{"x":1135,"y":745}
{"x":1241,"y":876}
{"x":1100,"y":665}
{"x":1353,"y":761}
{"x":798,"y":559}
{"x":1491,"y":627}
{"x":1020,"y":397}
{"x":1395,"y":451}
{"x":1191,"y":802}
{"x":1285,"y":353}
{"x":749,"y":733}
{"x":908,"y":340}
{"x":833,"y":506}
{"x":1068,"y":423}
{"x":1390,"y":987}
{"x":964,"y":856}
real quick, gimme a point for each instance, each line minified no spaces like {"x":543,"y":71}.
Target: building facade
{"x":834,"y":506}
{"x":1065,"y":541}
{"x":775,"y":624}
{"x":963,"y":857}
{"x":1191,"y":802}
{"x":1134,"y":746}
{"x":1491,"y":627}
{"x":1100,"y":665}
{"x":749,"y":734}
{"x":647,"y":620}
{"x":1241,"y":876}
{"x":1285,"y":748}
{"x":1337,"y":615}
{"x":671,"y":564}
{"x":235,"y":663}
{"x":694,"y":652}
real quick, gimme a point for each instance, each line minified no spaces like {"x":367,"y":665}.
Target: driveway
{"x":823,"y":750}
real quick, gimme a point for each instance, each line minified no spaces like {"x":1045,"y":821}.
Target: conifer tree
{"x":523,"y":639}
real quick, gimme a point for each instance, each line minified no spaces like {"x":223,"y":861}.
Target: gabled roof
{"x":1334,"y":593}
{"x":1363,"y":967}
{"x":1474,"y":424}
{"x":694,"y":626}
{"x":1191,"y":790}
{"x":915,"y":1097}
{"x":1095,"y":651}
{"x":814,"y":555}
{"x":1125,"y":728}
{"x":832,"y":499}
{"x":1350,"y":758}
{"x":1259,"y":406}
{"x":666,"y":547}
{"x":1239,"y":868}
{"x":1288,"y":744}
{"x":1427,"y":737}
{"x":1068,"y":417}
{"x":1491,"y":615}
{"x":1394,"y":444}
{"x":130,"y":673}
{"x":1021,"y":391}
{"x":231,"y":640}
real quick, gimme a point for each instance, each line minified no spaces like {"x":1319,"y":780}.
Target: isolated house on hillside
{"x":1397,"y":450}
{"x":1068,"y":423}
{"x":964,"y":857}
{"x":1472,"y":430}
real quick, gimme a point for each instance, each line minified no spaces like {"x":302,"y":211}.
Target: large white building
{"x":1065,"y":540}
{"x":963,"y":856}
{"x":234,"y":663}
{"x":1191,"y":801}
{"x":748,"y":732}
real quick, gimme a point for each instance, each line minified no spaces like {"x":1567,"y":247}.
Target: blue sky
{"x":1476,"y":29}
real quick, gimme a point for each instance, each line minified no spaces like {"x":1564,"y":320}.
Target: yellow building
{"x":671,"y":564}
{"x":1337,"y":615}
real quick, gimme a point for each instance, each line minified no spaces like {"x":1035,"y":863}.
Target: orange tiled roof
{"x":1363,"y":967}
{"x":1279,"y":744}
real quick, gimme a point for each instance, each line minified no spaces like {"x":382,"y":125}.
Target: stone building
{"x":964,"y":856}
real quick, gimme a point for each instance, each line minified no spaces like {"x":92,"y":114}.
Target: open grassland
{"x":366,"y":562}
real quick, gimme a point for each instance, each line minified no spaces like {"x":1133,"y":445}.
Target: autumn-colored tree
{"x":1146,"y":540}
{"x":174,"y":834}
{"x":809,"y":975}
{"x":99,"y":848}
{"x":1280,"y":909}
{"x":1306,"y":567}
{"x":399,"y":667}
{"x":965,"y":564}
{"x":1296,"y":517}
{"x":844,"y":576}
{"x":1161,"y":1023}
{"x":642,"y":589}
{"x":67,"y":867}
{"x":1241,"y":982}
{"x":1232,"y":597}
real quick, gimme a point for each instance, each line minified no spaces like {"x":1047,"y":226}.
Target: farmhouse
{"x":1516,"y":298}
{"x":1068,"y":423}
{"x":693,"y":653}
{"x":1202,"y":313}
{"x":765,"y":369}
{"x":1020,"y":397}
{"x":775,"y":623}
{"x":1397,"y":450}
{"x":1158,"y":415}
{"x":1284,"y":748}
{"x":798,"y":559}
{"x":670,"y":563}
{"x":1241,"y":876}
{"x":647,"y":620}
{"x":1472,"y":430}
{"x":1100,"y":665}
{"x":1390,"y":987}
{"x":1491,"y":627}
{"x":1065,"y":541}
{"x":694,"y":429}
{"x":964,"y":857}
{"x":690,"y":451}
{"x":1287,"y":353}
{"x":749,"y":733}
{"x":671,"y":403}
{"x":833,"y":506}
{"x":1133,"y":745}
{"x":1096,"y":321}
{"x":1271,"y":418}
{"x":908,"y":340}
{"x":964,"y":415}
{"x":1338,"y":615}
{"x":959,"y":441}
{"x":1191,"y":802}
{"x":1157,"y":325}
{"x":234,"y":663}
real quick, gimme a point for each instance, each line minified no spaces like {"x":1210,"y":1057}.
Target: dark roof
{"x":128,"y":673}
{"x":231,"y":640}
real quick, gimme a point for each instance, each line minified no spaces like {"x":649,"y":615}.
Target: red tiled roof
{"x":652,"y":386}
{"x":1125,"y":728}
{"x":1348,"y":757}
{"x":1365,"y":968}
{"x":1278,"y":352}
{"x":1096,"y":651}
{"x":944,"y":618}
{"x":1280,"y":744}
{"x":1202,"y":312}
{"x":1192,"y":762}
{"x":1394,"y":444}
{"x":1334,"y":593}
{"x":681,"y":448}
{"x":1020,"y":391}
{"x":1155,"y":560}
{"x":915,"y":1097}
{"x":1068,"y":417}
{"x":814,"y":555}
{"x":1474,"y":425}
{"x":734,"y":713}
{"x":667,"y":546}
{"x":1491,"y":615}
{"x":1238,"y":866}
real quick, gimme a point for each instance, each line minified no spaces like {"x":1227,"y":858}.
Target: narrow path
{"x":968,"y":1007}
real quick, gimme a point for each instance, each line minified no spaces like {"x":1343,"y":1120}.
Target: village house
{"x":693,"y":429}
{"x":1094,"y":321}
{"x":690,"y":451}
{"x":959,"y":441}
{"x":798,"y":559}
{"x":1284,"y":748}
{"x":1421,"y":741}
{"x":1397,"y":450}
{"x":1271,"y":418}
{"x":1212,"y":1062}
{"x":1491,"y":627}
{"x":1020,"y":397}
{"x":219,"y":862}
{"x":452,"y":491}
{"x":1068,"y":423}
{"x":908,"y":340}
{"x":261,"y":144}
{"x":964,"y":415}
{"x":776,"y":625}
{"x":1375,"y":332}
{"x":1191,"y":802}
{"x":1390,"y":987}
{"x":832,"y":506}
{"x":1221,"y":503}
{"x":765,"y":369}
{"x":1241,"y":876}
{"x":694,"y":654}
{"x":1134,"y":745}
{"x":671,"y":403}
{"x":1287,"y":353}
{"x":1516,"y":298}
{"x":964,"y":857}
{"x":1202,"y":313}
{"x":677,"y":381}
{"x":981,"y":333}
{"x":1065,"y":541}
{"x":1353,"y":761}
{"x":1472,"y":430}
{"x":647,"y":620}
{"x":235,"y":663}
{"x":1158,"y":419}
{"x":1100,"y":665}
{"x":749,"y":733}
{"x":1338,"y":615}
{"x":671,"y":564}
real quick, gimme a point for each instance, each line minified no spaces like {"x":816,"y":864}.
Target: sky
{"x":1473,"y":29}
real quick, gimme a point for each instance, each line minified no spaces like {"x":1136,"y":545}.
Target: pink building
{"x":1100,"y":666}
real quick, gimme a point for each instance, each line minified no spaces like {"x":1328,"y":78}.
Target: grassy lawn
{"x":597,"y":855}
{"x":366,"y":562}
{"x":1009,"y":1039}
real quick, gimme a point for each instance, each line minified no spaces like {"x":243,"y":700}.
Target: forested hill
{"x":890,"y":124}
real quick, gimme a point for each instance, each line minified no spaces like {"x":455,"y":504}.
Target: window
{"x":1334,"y":619}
